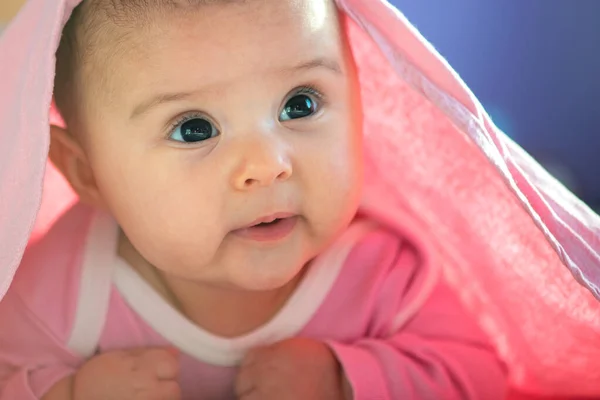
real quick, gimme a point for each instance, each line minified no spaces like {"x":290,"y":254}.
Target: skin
{"x":179,"y":204}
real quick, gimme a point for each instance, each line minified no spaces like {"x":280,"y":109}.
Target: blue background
{"x":535,"y":65}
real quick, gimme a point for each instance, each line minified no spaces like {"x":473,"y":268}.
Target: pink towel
{"x":519,"y":248}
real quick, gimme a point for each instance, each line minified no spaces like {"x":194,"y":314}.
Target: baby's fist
{"x":142,"y":374}
{"x":295,"y":369}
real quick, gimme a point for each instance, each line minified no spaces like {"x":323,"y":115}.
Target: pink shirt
{"x":396,"y":328}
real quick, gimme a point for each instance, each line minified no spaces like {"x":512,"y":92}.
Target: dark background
{"x":535,"y":65}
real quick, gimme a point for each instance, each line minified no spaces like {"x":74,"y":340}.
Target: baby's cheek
{"x":334,"y":198}
{"x":344,"y":172}
{"x":176,"y":239}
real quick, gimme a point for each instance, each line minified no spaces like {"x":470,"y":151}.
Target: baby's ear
{"x":69,"y":158}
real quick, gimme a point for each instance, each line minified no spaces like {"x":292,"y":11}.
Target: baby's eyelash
{"x":312,"y":90}
{"x":182,"y":119}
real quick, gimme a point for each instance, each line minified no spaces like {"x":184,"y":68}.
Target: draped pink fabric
{"x":520,"y":249}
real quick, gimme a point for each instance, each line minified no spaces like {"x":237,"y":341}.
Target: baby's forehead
{"x":128,"y":11}
{"x":105,"y":26}
{"x":165,"y":38}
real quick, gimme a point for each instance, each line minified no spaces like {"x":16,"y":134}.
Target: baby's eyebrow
{"x":155,"y":101}
{"x":326,"y":63}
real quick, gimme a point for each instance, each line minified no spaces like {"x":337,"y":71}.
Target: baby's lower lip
{"x":273,"y":232}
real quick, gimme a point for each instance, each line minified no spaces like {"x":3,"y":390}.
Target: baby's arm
{"x":63,"y":390}
{"x":439,"y":354}
{"x":144,"y":374}
{"x":36,"y":364}
{"x":32,"y":357}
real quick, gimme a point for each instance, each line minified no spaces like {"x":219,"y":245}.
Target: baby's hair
{"x":87,"y":32}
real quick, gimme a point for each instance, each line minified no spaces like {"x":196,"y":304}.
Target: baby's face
{"x":202,"y":123}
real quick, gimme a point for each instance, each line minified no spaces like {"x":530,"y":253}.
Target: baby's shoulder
{"x":379,"y":251}
{"x":384,"y":275}
{"x":384,"y":263}
{"x":47,"y":280}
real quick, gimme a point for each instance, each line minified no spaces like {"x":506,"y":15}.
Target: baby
{"x":217,"y":251}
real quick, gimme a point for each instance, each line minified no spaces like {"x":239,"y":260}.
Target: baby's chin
{"x":252,"y":273}
{"x":247,"y":264}
{"x":284,"y":266}
{"x":272,"y":279}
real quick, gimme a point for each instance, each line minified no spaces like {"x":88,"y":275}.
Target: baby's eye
{"x":302,"y":105}
{"x":193,"y":130}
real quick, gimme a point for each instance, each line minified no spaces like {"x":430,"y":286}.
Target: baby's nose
{"x":262,"y":165}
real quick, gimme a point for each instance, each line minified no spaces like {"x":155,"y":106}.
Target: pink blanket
{"x":520,"y":249}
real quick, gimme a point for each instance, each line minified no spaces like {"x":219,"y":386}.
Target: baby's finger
{"x":255,"y":355}
{"x":245,"y":383}
{"x":168,"y":390}
{"x":251,"y":396}
{"x":163,"y":363}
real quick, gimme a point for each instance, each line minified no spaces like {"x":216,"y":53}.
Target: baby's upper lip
{"x":268,"y":218}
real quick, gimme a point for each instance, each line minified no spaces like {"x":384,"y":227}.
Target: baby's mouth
{"x":263,"y":224}
{"x":270,"y":229}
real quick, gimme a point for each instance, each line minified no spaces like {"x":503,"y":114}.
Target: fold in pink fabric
{"x":520,"y":250}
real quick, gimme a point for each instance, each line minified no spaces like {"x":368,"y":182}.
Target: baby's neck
{"x":224,"y":312}
{"x":227,"y":312}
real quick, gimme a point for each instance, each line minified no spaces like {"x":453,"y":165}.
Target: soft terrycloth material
{"x":510,"y":238}
{"x":408,"y":336}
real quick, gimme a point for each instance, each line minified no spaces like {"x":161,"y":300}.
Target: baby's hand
{"x":144,"y":374}
{"x":295,"y":369}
